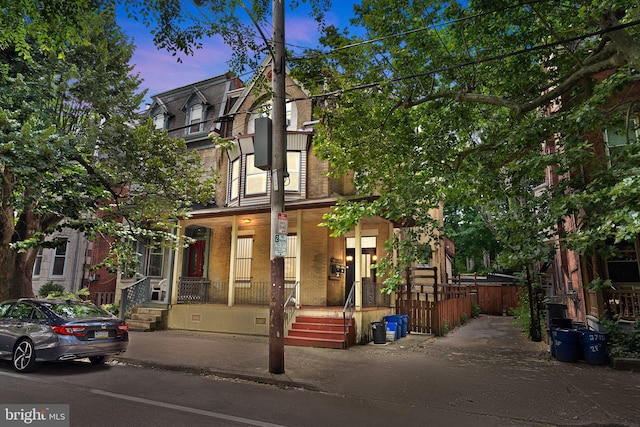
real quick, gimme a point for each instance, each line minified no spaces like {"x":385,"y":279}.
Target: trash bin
{"x":594,"y":347}
{"x":566,"y":342}
{"x":397,"y":319}
{"x":379,"y":332}
{"x":392,"y":331}
{"x":405,"y":321}
{"x":552,"y":348}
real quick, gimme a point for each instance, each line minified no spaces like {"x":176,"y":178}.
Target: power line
{"x":474,"y":62}
{"x":416,"y":30}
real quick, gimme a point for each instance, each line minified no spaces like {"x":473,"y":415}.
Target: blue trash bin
{"x":405,"y":321}
{"x":594,"y":347}
{"x":567,"y":344}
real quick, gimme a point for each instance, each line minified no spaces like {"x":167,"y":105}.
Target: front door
{"x":350,"y":273}
{"x":195,"y":267}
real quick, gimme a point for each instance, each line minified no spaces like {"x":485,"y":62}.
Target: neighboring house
{"x":569,"y":274}
{"x":221,"y":281}
{"x":65,"y":265}
{"x":190,"y":112}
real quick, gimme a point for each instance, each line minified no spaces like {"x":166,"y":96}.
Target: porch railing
{"x":290,"y":306}
{"x":196,"y":290}
{"x":349,"y":308}
{"x":372,"y":295}
{"x":134,"y":295}
{"x":623,"y":302}
{"x":193,"y":290}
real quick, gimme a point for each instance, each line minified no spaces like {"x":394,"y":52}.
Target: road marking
{"x":185,"y":409}
{"x":209,"y":414}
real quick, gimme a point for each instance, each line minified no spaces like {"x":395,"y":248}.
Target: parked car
{"x":38,"y":330}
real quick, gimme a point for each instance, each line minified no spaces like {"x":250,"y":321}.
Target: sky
{"x":160,"y":71}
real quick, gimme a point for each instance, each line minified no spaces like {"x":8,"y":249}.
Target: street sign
{"x":280,"y":245}
{"x":282,"y":226}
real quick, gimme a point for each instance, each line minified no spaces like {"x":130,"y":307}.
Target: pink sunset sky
{"x":160,"y":70}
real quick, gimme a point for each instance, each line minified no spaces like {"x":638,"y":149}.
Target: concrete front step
{"x":146,"y":319}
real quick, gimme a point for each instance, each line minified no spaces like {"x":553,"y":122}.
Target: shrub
{"x":464,"y":318}
{"x":51,"y":290}
{"x":622,"y":341}
{"x":475,"y":311}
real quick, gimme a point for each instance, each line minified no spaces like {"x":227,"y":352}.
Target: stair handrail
{"x":133,"y":295}
{"x":349,"y":305}
{"x":290,"y":306}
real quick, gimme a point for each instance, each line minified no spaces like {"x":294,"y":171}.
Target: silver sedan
{"x":38,"y":330}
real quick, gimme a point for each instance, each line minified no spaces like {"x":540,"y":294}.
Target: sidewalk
{"x":486,"y":367}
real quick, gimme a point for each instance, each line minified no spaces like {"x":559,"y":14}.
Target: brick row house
{"x":221,"y":281}
{"x":568,"y":277}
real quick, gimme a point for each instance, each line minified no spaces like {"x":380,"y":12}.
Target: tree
{"x":73,"y":152}
{"x":453,"y":100}
{"x":466,"y":226}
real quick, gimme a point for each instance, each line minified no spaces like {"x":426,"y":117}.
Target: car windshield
{"x":71,"y":310}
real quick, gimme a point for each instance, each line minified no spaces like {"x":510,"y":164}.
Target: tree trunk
{"x":15,"y":281}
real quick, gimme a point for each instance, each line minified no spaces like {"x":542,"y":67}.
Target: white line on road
{"x":185,"y":409}
{"x":210,"y":414}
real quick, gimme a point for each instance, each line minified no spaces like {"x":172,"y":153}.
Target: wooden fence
{"x":431,"y":307}
{"x":497,"y":299}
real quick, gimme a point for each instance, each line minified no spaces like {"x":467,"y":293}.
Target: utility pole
{"x":276,"y":302}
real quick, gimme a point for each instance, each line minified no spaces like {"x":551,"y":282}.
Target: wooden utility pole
{"x":276,"y":303}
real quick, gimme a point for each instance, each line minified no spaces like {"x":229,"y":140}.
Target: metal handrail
{"x":133,"y":295}
{"x":348,"y":304}
{"x":289,"y":310}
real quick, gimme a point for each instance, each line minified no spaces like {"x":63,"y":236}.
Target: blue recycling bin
{"x":391,"y":331}
{"x":594,"y":347}
{"x":397,"y":319}
{"x":567,"y":344}
{"x":405,"y":321}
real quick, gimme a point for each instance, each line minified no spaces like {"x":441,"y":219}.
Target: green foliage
{"x":475,"y":311}
{"x":464,"y":318}
{"x":444,"y":330}
{"x":452,"y":104}
{"x":51,"y":290}
{"x":111,"y":308}
{"x":622,"y":341}
{"x":70,"y":155}
{"x":522,"y":313}
{"x":80,"y":294}
{"x":467,"y":227}
{"x":598,"y":284}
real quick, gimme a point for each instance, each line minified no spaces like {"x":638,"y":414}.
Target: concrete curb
{"x":276,"y":380}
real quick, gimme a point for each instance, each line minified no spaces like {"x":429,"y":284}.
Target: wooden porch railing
{"x":625,"y":303}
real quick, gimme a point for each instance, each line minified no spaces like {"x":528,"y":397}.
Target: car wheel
{"x":97,"y":360}
{"x":24,"y":356}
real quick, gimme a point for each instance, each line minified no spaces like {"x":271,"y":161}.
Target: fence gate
{"x":416,"y":299}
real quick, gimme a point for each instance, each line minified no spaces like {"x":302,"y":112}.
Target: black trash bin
{"x":379,"y":332}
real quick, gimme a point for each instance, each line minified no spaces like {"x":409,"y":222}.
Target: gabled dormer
{"x":159,"y":113}
{"x":195,"y":109}
{"x":248,"y":185}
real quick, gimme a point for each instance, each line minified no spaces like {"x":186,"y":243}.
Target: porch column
{"x":232,"y":263}
{"x":358,"y":267}
{"x":395,"y":262}
{"x":176,"y":270}
{"x":298,"y":255}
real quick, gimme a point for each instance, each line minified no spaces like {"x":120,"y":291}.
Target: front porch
{"x":254,"y":319}
{"x":210,"y":307}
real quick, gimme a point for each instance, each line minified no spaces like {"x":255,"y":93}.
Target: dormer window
{"x":195,"y":118}
{"x":159,"y":121}
{"x":291,"y":116}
